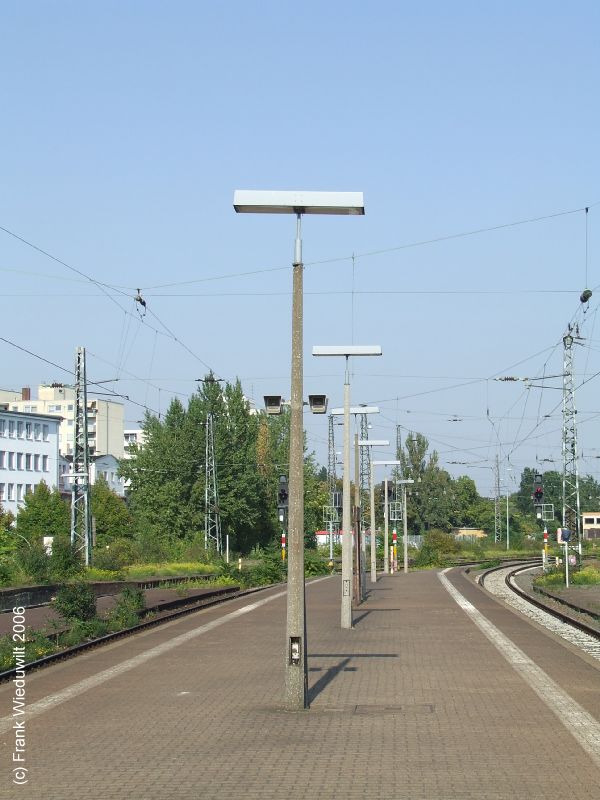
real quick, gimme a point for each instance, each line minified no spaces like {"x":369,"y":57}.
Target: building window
{"x":45,"y":432}
{"x":2,"y":459}
{"x":28,"y":461}
{"x":10,"y":491}
{"x":54,"y":408}
{"x":27,"y":409}
{"x":70,"y":408}
{"x":27,"y":488}
{"x":29,"y":430}
{"x":36,"y":462}
{"x":44,"y":463}
{"x":588,"y":521}
{"x":11,"y":428}
{"x":20,"y":430}
{"x":19,"y":460}
{"x":19,"y":492}
{"x":11,"y":460}
{"x":70,"y":423}
{"x":37,"y":431}
{"x":2,"y":490}
{"x":2,"y":427}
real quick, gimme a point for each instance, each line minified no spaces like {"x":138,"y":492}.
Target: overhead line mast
{"x":81,"y":511}
{"x":212,"y":517}
{"x":570,"y":482}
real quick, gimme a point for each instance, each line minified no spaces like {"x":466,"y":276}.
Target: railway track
{"x":501,"y":582}
{"x":158,"y":619}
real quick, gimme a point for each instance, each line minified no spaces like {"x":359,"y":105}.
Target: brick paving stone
{"x":414,"y":702}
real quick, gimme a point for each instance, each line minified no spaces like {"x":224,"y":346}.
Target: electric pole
{"x":212,"y":518}
{"x":497,"y":522}
{"x":570,"y":482}
{"x":81,"y":512}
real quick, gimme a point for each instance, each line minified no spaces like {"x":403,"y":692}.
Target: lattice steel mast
{"x":330,"y":511}
{"x":331,"y":473}
{"x":570,"y":482}
{"x":81,"y":512}
{"x":497,"y":521}
{"x":212,"y":518}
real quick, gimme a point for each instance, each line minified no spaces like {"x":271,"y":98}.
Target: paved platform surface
{"x":415,"y":702}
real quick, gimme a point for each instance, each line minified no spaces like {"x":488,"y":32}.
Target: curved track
{"x":500,"y":582}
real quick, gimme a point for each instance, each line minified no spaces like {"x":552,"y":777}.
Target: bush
{"x":124,"y":614}
{"x":34,"y":561}
{"x":151,"y":548}
{"x":7,"y":572}
{"x":83,"y":631}
{"x":315,"y":564}
{"x":65,"y":562}
{"x":269,"y":570}
{"x":437,"y":549}
{"x":75,"y":601}
{"x":118,"y":554}
{"x":36,"y":646}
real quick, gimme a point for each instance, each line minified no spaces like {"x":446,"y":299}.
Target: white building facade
{"x":105,"y":418}
{"x":105,"y":466}
{"x":28,"y":455}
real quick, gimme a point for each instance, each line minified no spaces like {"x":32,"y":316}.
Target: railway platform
{"x":439,"y":692}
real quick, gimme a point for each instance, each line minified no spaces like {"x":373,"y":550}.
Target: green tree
{"x":466,"y":503}
{"x":44,"y":513}
{"x":430,"y":499}
{"x":111,"y":515}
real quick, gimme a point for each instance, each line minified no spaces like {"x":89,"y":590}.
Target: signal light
{"x":282,"y":493}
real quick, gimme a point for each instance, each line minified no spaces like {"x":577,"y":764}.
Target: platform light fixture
{"x":347,"y":351}
{"x":247,"y":201}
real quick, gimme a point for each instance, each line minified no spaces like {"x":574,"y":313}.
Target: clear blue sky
{"x":126,"y":128}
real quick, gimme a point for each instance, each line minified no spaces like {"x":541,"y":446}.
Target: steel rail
{"x":77,"y":649}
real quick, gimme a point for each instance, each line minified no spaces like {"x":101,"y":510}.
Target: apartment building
{"x":133,"y":436}
{"x":105,"y":466}
{"x":105,"y":417}
{"x":590,"y":525}
{"x":28,"y":455}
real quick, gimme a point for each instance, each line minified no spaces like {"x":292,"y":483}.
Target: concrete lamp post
{"x":274,"y":404}
{"x":347,"y":351}
{"x":373,"y":443}
{"x":297,"y":203}
{"x":360,"y":579}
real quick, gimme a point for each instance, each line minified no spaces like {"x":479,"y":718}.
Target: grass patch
{"x":173,"y":570}
{"x":36,"y":646}
{"x":588,"y":576}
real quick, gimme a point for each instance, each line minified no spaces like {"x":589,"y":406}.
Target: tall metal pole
{"x":497,"y":522}
{"x":81,"y":511}
{"x":570,"y":483}
{"x":346,"y":514}
{"x":212,"y":515}
{"x":373,"y":537}
{"x":507,"y":524}
{"x":405,"y":529}
{"x":386,"y":565}
{"x":296,"y":673}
